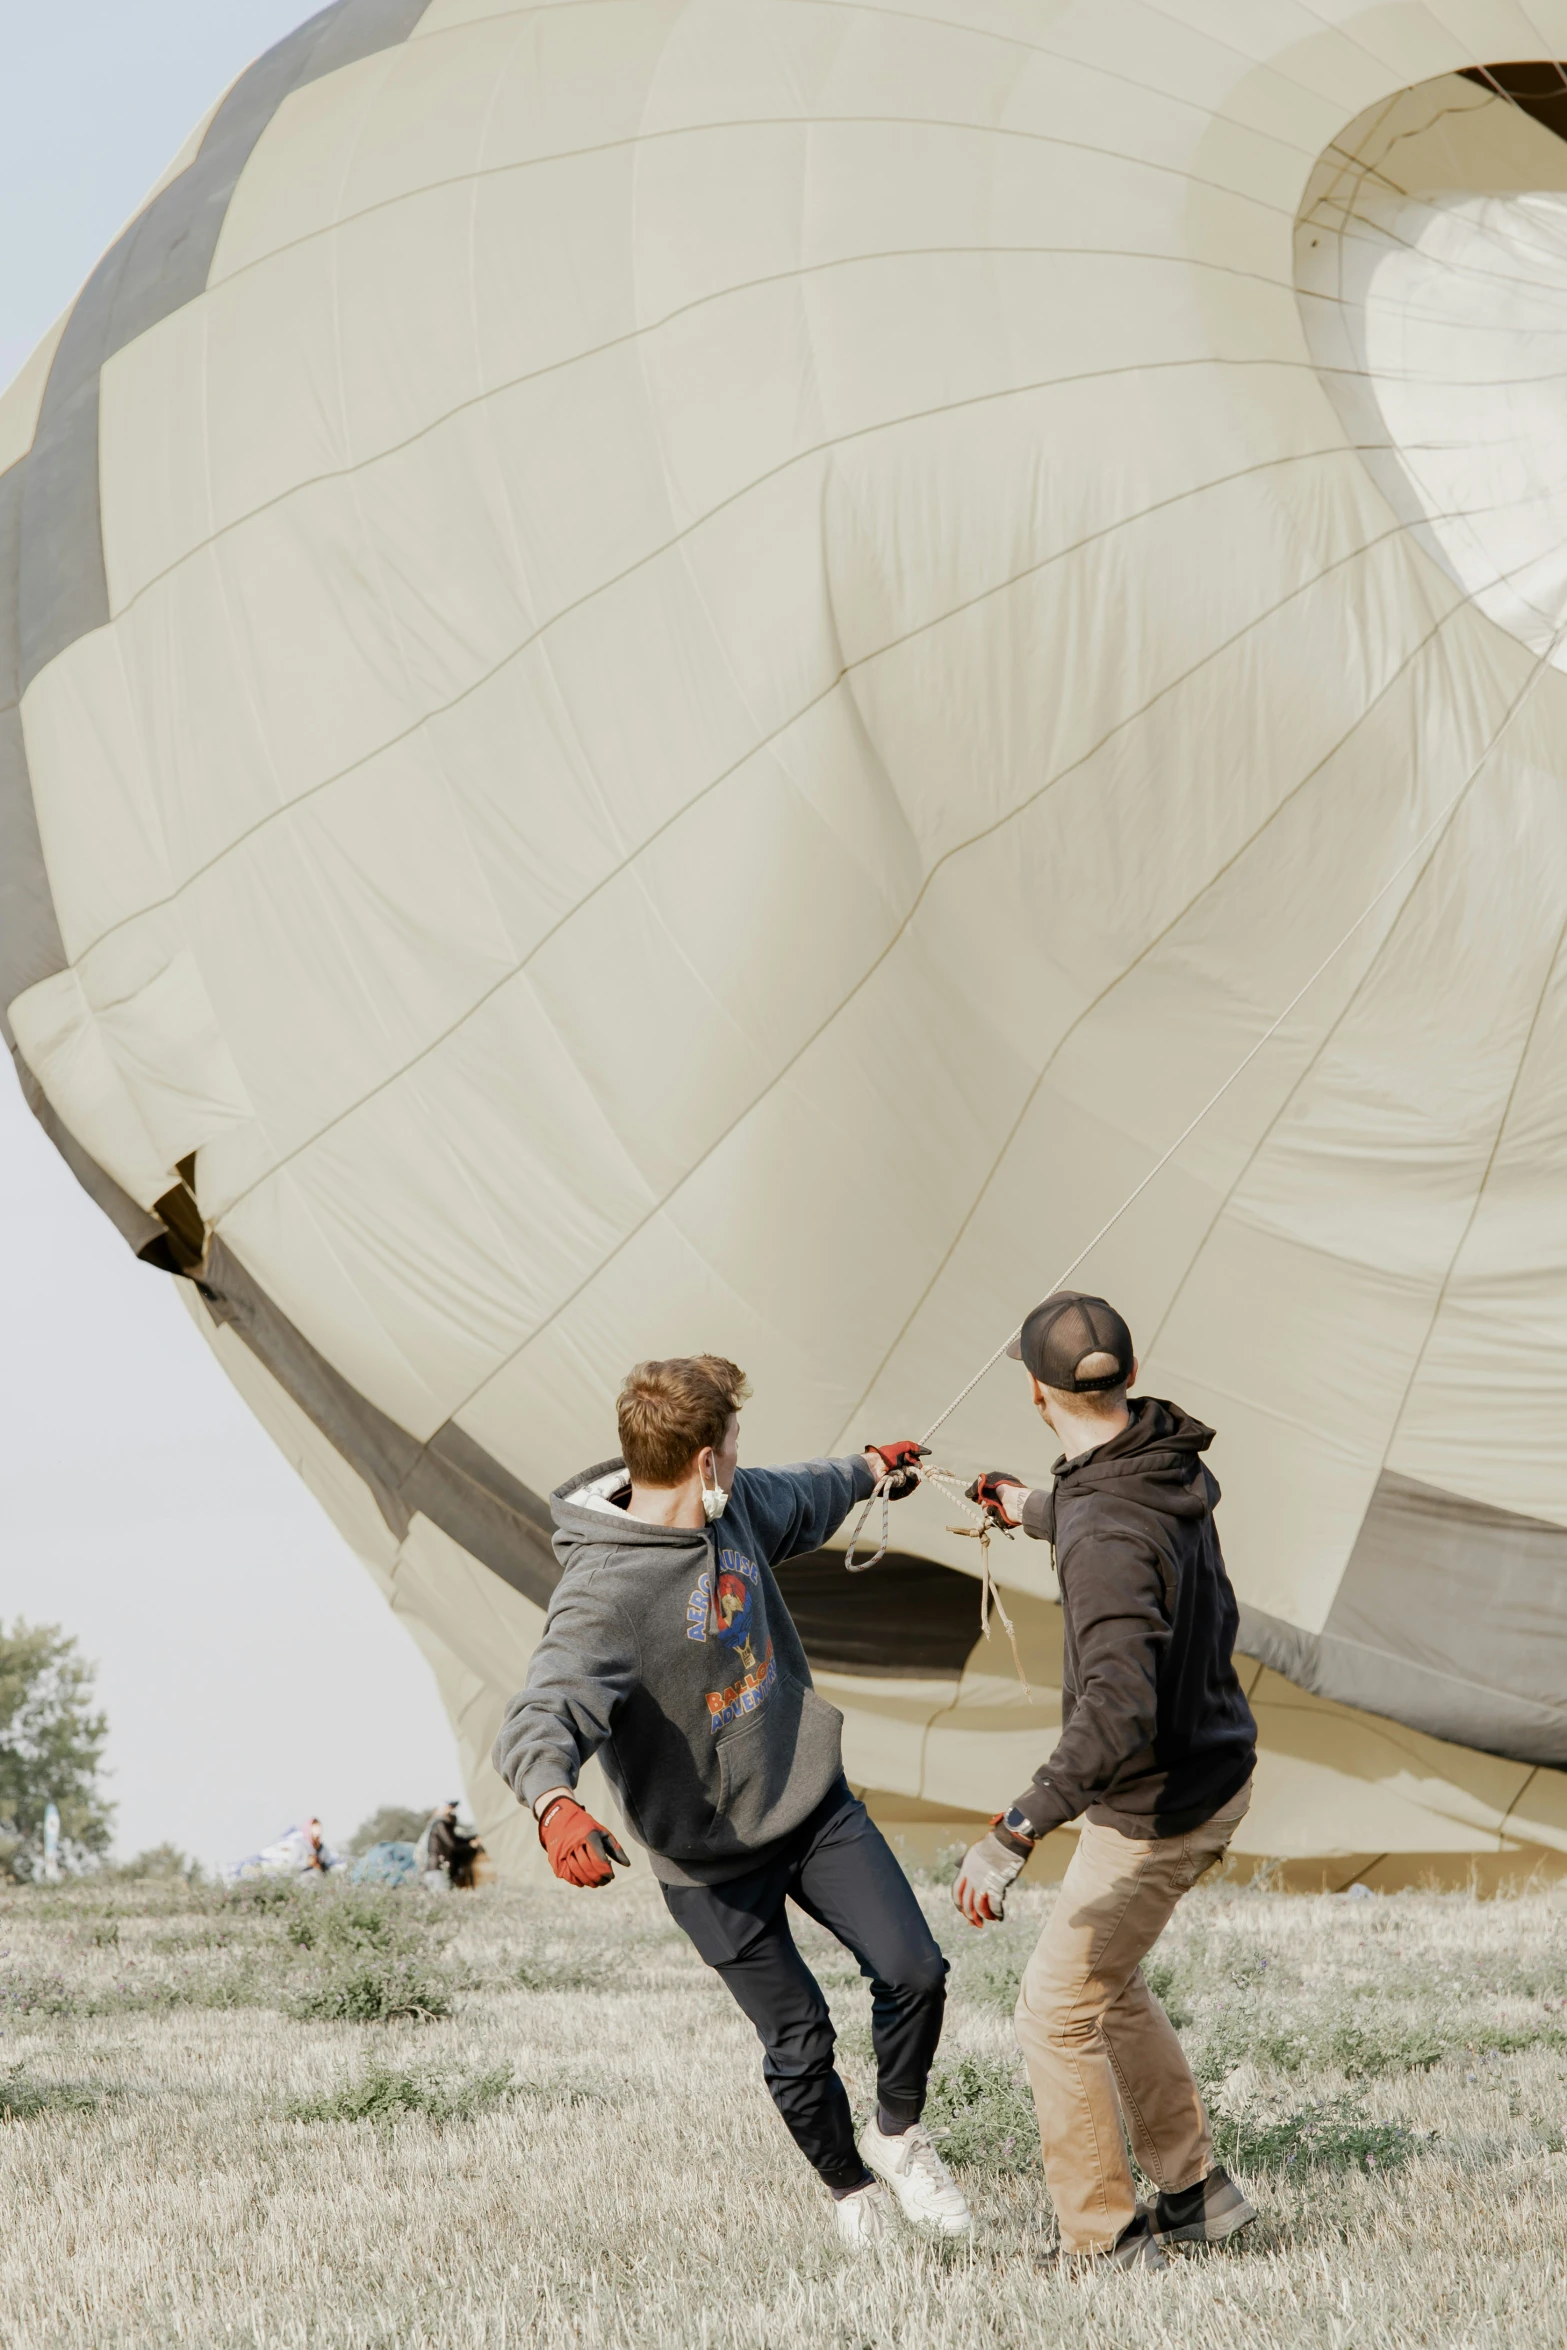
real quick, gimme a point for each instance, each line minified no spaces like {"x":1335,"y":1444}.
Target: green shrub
{"x":995,"y":1979}
{"x":36,"y":1995}
{"x":1241,"y":2035}
{"x":351,"y":1922}
{"x":1362,"y":2055}
{"x":393,"y":1989}
{"x":368,"y":1959}
{"x":990,"y":1965}
{"x":1332,"y":2135}
{"x":236,"y":1986}
{"x":143,"y":1994}
{"x":1283,"y":2047}
{"x":22,"y":2100}
{"x":1233,"y":2038}
{"x":380,"y":2095}
{"x":981,"y":2115}
{"x":263,"y":1893}
{"x":160,"y":1862}
{"x":1164,"y":1981}
{"x":1244,"y":1965}
{"x":1509,"y":2039}
{"x":853,"y":2034}
{"x":191,"y":1939}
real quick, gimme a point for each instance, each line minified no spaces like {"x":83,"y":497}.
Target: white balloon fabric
{"x":687,"y":672}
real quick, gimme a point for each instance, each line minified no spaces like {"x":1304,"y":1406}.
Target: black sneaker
{"x":1208,"y":2213}
{"x":1135,"y":2247}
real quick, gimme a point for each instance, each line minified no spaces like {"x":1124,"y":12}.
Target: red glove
{"x":580,"y":1851}
{"x":998,"y":1494}
{"x":900,"y":1459}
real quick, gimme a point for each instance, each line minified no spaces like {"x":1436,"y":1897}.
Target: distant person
{"x":1158,"y":1746}
{"x":668,"y":1650}
{"x":298,"y":1852}
{"x":450,"y":1851}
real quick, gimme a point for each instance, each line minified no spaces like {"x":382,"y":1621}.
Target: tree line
{"x":52,"y":1737}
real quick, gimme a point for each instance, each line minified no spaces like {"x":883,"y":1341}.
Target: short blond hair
{"x":668,"y":1411}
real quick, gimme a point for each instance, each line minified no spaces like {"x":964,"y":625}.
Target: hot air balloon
{"x":702,"y":673}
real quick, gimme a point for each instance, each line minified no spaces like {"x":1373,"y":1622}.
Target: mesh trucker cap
{"x":1064,"y":1343}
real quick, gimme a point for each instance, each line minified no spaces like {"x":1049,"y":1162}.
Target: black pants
{"x":839,"y":1869}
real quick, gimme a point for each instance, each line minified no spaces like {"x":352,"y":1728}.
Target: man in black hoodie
{"x":1157,"y":1747}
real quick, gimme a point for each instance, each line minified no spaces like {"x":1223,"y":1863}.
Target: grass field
{"x":533,"y":2118}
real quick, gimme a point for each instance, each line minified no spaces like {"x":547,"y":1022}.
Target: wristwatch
{"x":1017,"y":1823}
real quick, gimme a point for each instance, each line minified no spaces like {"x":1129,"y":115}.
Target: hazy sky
{"x":249,"y":1668}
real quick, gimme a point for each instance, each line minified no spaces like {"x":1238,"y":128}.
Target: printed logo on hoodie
{"x":727,"y":1705}
{"x":730,"y":1615}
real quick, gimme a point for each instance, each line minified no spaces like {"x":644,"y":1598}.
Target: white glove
{"x":981,"y":1888}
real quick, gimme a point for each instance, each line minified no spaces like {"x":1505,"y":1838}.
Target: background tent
{"x":683,"y":673}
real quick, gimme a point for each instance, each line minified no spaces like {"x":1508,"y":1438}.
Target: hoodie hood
{"x":590,"y":1511}
{"x":591,"y":1507}
{"x":1156,"y":1461}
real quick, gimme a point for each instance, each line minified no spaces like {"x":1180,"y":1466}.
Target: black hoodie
{"x":1156,"y":1734}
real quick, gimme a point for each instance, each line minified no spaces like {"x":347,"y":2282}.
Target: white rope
{"x":880,"y":1491}
{"x":989,"y":1589}
{"x":952,"y":1488}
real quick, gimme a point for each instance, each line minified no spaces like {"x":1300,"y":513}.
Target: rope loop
{"x":952,"y":1489}
{"x":882,"y":1490}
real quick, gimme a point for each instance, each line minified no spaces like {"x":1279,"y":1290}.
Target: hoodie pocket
{"x":775,"y":1768}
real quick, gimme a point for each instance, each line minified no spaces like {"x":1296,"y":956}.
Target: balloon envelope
{"x":687,"y":676}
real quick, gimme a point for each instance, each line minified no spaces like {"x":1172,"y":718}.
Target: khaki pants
{"x":1098,"y":2045}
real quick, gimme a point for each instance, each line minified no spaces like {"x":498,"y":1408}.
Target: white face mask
{"x":714,"y":1499}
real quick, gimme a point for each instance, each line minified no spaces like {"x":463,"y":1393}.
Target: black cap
{"x":1069,"y":1330}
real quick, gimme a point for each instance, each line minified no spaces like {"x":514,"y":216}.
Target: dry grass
{"x":561,"y":2136}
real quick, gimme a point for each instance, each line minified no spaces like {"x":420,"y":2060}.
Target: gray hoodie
{"x":670,"y":1652}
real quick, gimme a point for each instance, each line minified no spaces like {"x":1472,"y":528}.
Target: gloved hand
{"x":980,"y":1890}
{"x":994,"y":1492}
{"x":579,"y":1849}
{"x":899,"y":1460}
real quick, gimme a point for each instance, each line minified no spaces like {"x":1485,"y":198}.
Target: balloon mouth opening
{"x":1431,"y":275}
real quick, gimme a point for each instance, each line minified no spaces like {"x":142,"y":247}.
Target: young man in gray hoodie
{"x":669,"y":1652}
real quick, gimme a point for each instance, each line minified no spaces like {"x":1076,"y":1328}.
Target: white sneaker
{"x":862,"y":2218}
{"x":927,"y":2191}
